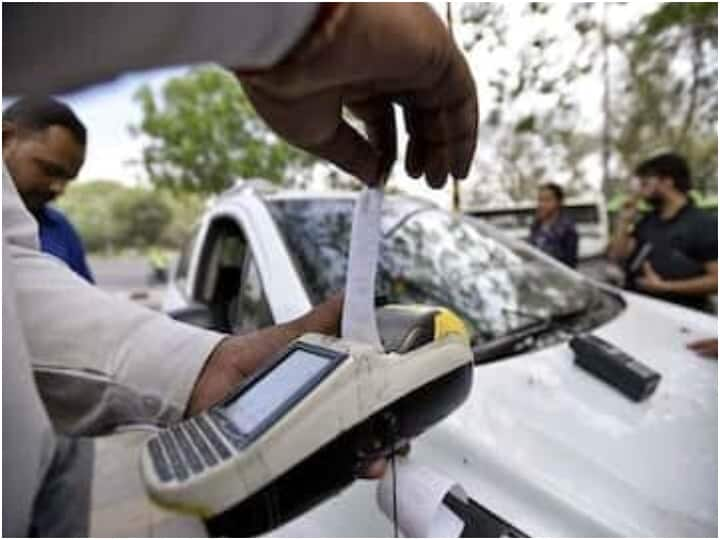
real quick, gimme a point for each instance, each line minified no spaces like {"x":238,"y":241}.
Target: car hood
{"x":556,"y":452}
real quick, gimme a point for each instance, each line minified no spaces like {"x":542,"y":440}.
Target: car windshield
{"x":431,"y":256}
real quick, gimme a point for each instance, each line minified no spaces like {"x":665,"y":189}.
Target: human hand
{"x":374,"y":467}
{"x":374,"y":470}
{"x":651,"y":281}
{"x":365,"y":58}
{"x":629,"y":209}
{"x":705,"y":347}
{"x":323,"y":318}
{"x":237,"y":357}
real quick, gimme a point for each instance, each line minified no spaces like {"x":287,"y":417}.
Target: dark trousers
{"x":62,"y":506}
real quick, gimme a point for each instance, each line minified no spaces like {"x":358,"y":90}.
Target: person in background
{"x":158,"y":260}
{"x":670,"y":253}
{"x":44,"y":149}
{"x":553,"y":231}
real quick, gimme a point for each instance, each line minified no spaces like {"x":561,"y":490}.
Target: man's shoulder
{"x":700,"y":216}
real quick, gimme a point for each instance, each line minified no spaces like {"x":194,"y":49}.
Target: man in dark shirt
{"x":670,"y":253}
{"x":553,"y":231}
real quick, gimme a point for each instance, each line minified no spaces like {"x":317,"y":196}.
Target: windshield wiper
{"x":517,"y":341}
{"x":521,"y":339}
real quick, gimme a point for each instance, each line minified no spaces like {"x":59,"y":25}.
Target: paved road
{"x":120,"y":272}
{"x":127,"y":277}
{"x":120,"y":507}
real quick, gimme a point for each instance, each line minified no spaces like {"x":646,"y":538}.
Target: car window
{"x":430,"y":256}
{"x":229,"y":281}
{"x":220,"y":270}
{"x":252,"y":310}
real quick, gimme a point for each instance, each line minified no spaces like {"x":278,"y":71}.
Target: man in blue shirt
{"x":553,"y":231}
{"x":58,"y":237}
{"x":43,"y":147}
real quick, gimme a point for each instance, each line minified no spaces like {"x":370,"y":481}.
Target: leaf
{"x":526,"y":124}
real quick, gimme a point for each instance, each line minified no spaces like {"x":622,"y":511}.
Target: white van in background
{"x":590,"y":216}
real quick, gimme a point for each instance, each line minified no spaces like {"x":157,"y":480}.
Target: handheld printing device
{"x":296,"y":432}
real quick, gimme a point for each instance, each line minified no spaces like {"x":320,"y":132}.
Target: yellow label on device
{"x":446,"y":323}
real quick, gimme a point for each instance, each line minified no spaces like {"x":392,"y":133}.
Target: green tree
{"x":533,"y":98}
{"x":663,"y":90}
{"x":201,"y":134}
{"x":669,"y":98}
{"x":186,"y":210}
{"x":89,"y":206}
{"x":111,"y":217}
{"x":141,"y":217}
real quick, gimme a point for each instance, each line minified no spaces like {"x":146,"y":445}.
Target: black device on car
{"x":617,"y":368}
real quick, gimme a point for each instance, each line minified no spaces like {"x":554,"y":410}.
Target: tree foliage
{"x":89,"y":205}
{"x":670,"y":93}
{"x":663,"y":90}
{"x":111,"y":217}
{"x":140,"y":217}
{"x":532,"y":134}
{"x":201,"y":134}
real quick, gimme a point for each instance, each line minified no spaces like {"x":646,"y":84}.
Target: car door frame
{"x":282,"y":286}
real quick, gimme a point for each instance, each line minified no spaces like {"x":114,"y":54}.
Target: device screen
{"x":265,"y":397}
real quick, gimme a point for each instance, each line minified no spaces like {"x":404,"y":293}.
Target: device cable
{"x":394,"y":498}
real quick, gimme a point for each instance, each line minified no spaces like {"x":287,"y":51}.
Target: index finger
{"x":442,"y":120}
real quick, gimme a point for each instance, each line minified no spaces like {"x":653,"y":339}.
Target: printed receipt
{"x":420,"y":509}
{"x":359,"y":322}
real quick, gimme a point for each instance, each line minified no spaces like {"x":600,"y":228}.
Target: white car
{"x":540,"y":445}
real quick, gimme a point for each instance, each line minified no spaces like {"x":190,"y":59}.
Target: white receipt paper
{"x":420,"y":509}
{"x":359,"y":322}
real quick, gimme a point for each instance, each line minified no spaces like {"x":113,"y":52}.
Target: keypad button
{"x":177,"y":464}
{"x":217,"y":443}
{"x":188,"y":452}
{"x":230,"y":430}
{"x":200,"y":444}
{"x":162,"y":467}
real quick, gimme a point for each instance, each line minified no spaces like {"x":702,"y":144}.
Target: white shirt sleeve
{"x":54,"y":47}
{"x":99,"y":361}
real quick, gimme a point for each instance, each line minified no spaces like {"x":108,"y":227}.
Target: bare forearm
{"x":699,"y":286}
{"x":238,"y":357}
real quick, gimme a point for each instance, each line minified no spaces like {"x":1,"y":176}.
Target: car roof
{"x":271,"y":192}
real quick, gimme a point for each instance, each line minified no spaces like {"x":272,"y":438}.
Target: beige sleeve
{"x":100,"y":361}
{"x":52,"y":47}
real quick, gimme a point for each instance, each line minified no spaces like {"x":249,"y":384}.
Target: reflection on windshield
{"x":430,"y":256}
